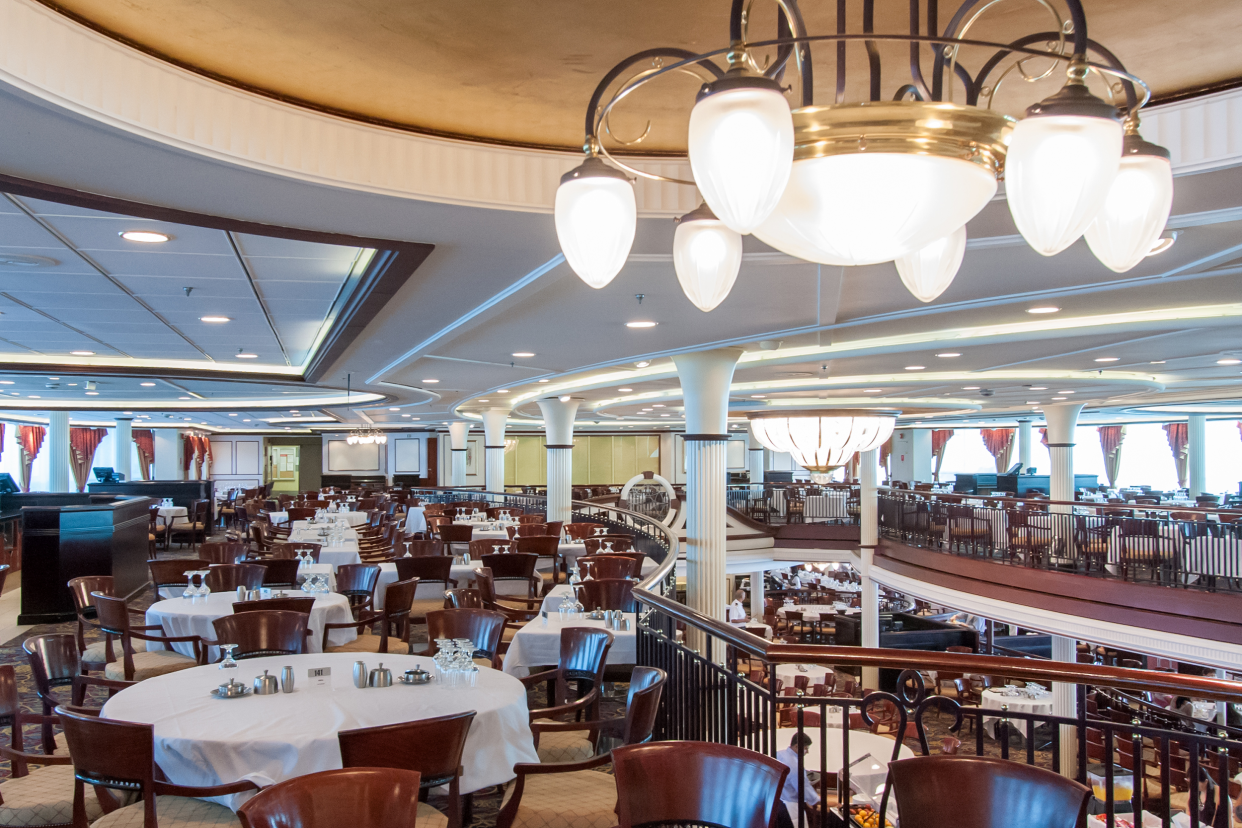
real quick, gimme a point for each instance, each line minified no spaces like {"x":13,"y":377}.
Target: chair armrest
{"x":530,"y":768}
{"x":197,"y":791}
{"x":563,"y":727}
{"x":81,"y":682}
{"x":569,"y":707}
{"x":20,"y":757}
{"x":534,"y":678}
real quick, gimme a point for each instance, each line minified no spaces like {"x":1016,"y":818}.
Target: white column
{"x":123,"y":447}
{"x":1065,"y":703}
{"x":754,"y":456}
{"x":869,"y":535}
{"x":705,"y":379}
{"x":58,"y":452}
{"x":756,"y":595}
{"x":1024,"y":444}
{"x":167,"y":454}
{"x":458,"y":430}
{"x":494,"y":420}
{"x":1196,"y":458}
{"x":558,"y":427}
{"x":1062,"y":420}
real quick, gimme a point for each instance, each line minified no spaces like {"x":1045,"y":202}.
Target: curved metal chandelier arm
{"x":681,"y":55}
{"x":916,"y":66}
{"x":1133,"y":104}
{"x":873,"y":54}
{"x":791,"y":29}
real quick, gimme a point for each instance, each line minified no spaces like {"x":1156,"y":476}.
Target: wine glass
{"x":203,"y":589}
{"x":607,"y":547}
{"x":190,"y":590}
{"x":227,"y":663}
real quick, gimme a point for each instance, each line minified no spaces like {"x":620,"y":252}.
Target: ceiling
{"x":522,"y":73}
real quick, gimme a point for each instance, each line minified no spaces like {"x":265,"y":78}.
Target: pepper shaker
{"x":360,"y":674}
{"x":286,"y":680}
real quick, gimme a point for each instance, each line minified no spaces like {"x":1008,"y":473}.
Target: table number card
{"x":319,"y":676}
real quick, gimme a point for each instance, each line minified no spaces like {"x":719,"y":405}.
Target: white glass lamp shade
{"x":1134,"y":212}
{"x":821,"y":443}
{"x":865,"y":208}
{"x":707,"y":256}
{"x":1058,"y":173}
{"x":595,"y":220}
{"x":929,"y":270}
{"x":874,"y":431}
{"x":741,"y":149}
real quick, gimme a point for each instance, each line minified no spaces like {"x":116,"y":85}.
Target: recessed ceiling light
{"x":642,"y":364}
{"x":539,"y":380}
{"x":666,"y":415}
{"x":1060,"y":398}
{"x":872,"y":390}
{"x":232,"y":415}
{"x":82,"y":353}
{"x":416,"y":418}
{"x":147,"y":384}
{"x":92,"y":393}
{"x":398,"y":409}
{"x":393,"y":409}
{"x":1228,"y":361}
{"x":1163,"y":244}
{"x":1107,"y":359}
{"x":1158,"y":362}
{"x":6,"y":382}
{"x":641,"y":410}
{"x":72,"y":384}
{"x":245,"y":421}
{"x":948,"y":355}
{"x":1032,"y":402}
{"x":431,"y":381}
{"x":127,"y":412}
{"x":657,"y":405}
{"x":970,"y":388}
{"x":246,"y":356}
{"x":183,"y":398}
{"x":405,"y":415}
{"x":522,"y":354}
{"x":1039,"y":388}
{"x":214,"y":319}
{"x":914,"y":367}
{"x":1043,"y":309}
{"x":641,"y":324}
{"x":624,"y":390}
{"x":144,"y":236}
{"x":34,"y":396}
{"x":53,"y":378}
{"x":759,"y":396}
{"x":565,"y":398}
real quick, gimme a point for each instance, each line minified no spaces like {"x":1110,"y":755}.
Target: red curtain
{"x":187,"y":454}
{"x":1111,"y":438}
{"x":1043,"y":437}
{"x":144,"y":439}
{"x":999,"y":443}
{"x":1176,"y":432}
{"x":30,"y":439}
{"x":198,"y":456}
{"x":82,"y":445}
{"x":939,"y":439}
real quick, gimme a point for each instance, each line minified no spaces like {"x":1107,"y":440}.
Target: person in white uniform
{"x":737,"y":610}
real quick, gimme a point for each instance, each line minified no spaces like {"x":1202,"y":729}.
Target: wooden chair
{"x":463,"y":599}
{"x":513,"y":574}
{"x":287,"y":550}
{"x":434,"y":579}
{"x":934,"y":791}
{"x":133,"y":665}
{"x":357,"y":797}
{"x":223,"y":552}
{"x":524,"y":519}
{"x":357,"y":583}
{"x":608,"y":566}
{"x":196,"y":524}
{"x":393,"y":621}
{"x":97,"y":655}
{"x":484,"y":627}
{"x":579,"y":740}
{"x":279,"y":573}
{"x":580,"y":531}
{"x":583,"y":655}
{"x":430,"y":747}
{"x":652,"y":781}
{"x":262,"y":633}
{"x":54,"y":662}
{"x":489,"y":546}
{"x":425,"y":548}
{"x":157,"y":529}
{"x":172,"y":574}
{"x":609,"y":594}
{"x":454,"y":533}
{"x":228,"y":577}
{"x":300,"y":604}
{"x":546,"y":547}
{"x":543,"y":793}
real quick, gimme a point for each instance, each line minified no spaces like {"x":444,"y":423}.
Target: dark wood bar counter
{"x":181,"y":492}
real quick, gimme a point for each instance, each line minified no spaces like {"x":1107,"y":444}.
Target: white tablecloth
{"x":415,"y":519}
{"x":346,"y":553}
{"x":815,"y":612}
{"x":538,"y":644}
{"x":829,"y":506}
{"x":174,"y":515}
{"x":861,"y":743}
{"x":814,"y":673}
{"x":186,"y":616}
{"x":993,"y":700}
{"x":463,"y":574}
{"x":202,"y":740}
{"x":1212,"y":556}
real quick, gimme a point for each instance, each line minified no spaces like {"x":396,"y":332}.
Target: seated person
{"x":799,"y":745}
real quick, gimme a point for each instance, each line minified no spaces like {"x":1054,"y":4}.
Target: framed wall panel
{"x":736,"y":454}
{"x":247,"y":459}
{"x":407,"y":456}
{"x":363,"y":457}
{"x":222,"y":457}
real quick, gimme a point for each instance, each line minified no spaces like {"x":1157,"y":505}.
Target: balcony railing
{"x":796,"y":503}
{"x":1140,"y":545}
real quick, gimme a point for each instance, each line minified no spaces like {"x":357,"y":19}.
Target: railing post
{"x":1065,"y":704}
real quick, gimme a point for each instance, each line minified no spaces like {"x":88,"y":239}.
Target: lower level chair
{"x":481,"y":626}
{"x":133,"y":665}
{"x":262,"y":633}
{"x":393,"y":622}
{"x":358,"y":797}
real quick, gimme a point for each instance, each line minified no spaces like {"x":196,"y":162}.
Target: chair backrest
{"x":287,"y":604}
{"x":425,"y":548}
{"x":620,"y":543}
{"x":488,"y":546}
{"x":735,"y":786}
{"x":263,"y":632}
{"x":643,"y":703}
{"x":300,"y":513}
{"x":279,"y":571}
{"x":228,"y":577}
{"x":291,"y":550}
{"x":609,"y":594}
{"x":529,"y":518}
{"x":433,"y":747}
{"x":512,"y":565}
{"x":222,"y":552}
{"x":360,"y":797}
{"x":357,"y":580}
{"x":578,"y":531}
{"x":483,"y":627}
{"x":543,"y":546}
{"x":428,"y":568}
{"x":530,"y":530}
{"x":462,"y":599}
{"x":172,"y":573}
{"x":107,"y":751}
{"x":607,"y":566}
{"x":455,"y":532}
{"x":982,"y":792}
{"x":54,"y":661}
{"x":583,"y":654}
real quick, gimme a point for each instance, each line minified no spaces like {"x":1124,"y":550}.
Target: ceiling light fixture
{"x":759,"y":396}
{"x":430,"y":381}
{"x":822,"y":441}
{"x":641,"y":324}
{"x":1158,"y":362}
{"x":625,"y":390}
{"x":1164,"y":243}
{"x":596,"y":216}
{"x":643,"y":364}
{"x":6,"y":382}
{"x":214,"y":319}
{"x":92,"y":393}
{"x":144,"y":236}
{"x":1066,"y":392}
{"x":82,"y":353}
{"x":948,"y":355}
{"x":246,"y":356}
{"x":914,"y":367}
{"x":1057,"y":399}
{"x":232,"y":415}
{"x":707,"y":256}
{"x":34,"y":397}
{"x":872,"y":390}
{"x":928,"y":271}
{"x":543,"y":380}
{"x":1229,"y":361}
{"x":147,"y":384}
{"x":970,"y":388}
{"x":522,"y":354}
{"x":398,"y":409}
{"x":1107,"y":359}
{"x":1043,"y":309}
{"x":1128,"y":226}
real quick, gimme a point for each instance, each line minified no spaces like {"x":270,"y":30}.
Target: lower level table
{"x":194,"y":616}
{"x":861,"y":743}
{"x":539,"y":643}
{"x":993,"y":698}
{"x":203,"y":740}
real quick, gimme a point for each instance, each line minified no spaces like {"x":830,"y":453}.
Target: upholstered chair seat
{"x":581,"y":799}
{"x":564,"y":746}
{"x":150,"y":664}
{"x":172,"y":812}
{"x":43,"y":797}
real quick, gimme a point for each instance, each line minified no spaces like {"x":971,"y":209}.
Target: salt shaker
{"x":241,"y":593}
{"x":286,"y":680}
{"x":360,"y":674}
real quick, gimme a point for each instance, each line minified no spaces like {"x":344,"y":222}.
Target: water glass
{"x":227,"y":663}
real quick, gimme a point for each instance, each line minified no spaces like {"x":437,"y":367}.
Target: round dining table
{"x":994,"y":698}
{"x":194,"y":616}
{"x":861,"y":743}
{"x":204,"y":740}
{"x":814,"y":673}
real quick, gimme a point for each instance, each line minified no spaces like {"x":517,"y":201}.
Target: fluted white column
{"x":754,"y":457}
{"x":58,"y":452}
{"x":1196,"y":457}
{"x":123,"y":447}
{"x":1065,"y":703}
{"x":1024,"y":443}
{"x":558,"y":426}
{"x":756,"y":595}
{"x":458,"y":431}
{"x":1062,"y":421}
{"x":869,"y":535}
{"x":494,"y":420}
{"x":705,"y":378}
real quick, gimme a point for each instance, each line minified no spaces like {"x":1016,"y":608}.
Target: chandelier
{"x":510,"y":444}
{"x":822,"y":441}
{"x":859,"y":183}
{"x":366,"y":435}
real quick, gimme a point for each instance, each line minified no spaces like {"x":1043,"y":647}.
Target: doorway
{"x":282,"y":468}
